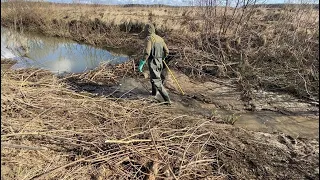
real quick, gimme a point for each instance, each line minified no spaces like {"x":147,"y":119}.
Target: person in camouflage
{"x":154,"y":52}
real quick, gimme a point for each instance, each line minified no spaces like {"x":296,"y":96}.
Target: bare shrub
{"x":270,"y":49}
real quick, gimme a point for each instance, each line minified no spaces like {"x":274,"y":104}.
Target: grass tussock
{"x":51,"y":132}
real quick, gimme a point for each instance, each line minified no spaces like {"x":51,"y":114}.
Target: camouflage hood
{"x":148,"y":30}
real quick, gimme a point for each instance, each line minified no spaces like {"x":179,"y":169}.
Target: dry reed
{"x":51,"y":132}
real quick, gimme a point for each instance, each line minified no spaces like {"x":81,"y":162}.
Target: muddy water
{"x":58,"y":55}
{"x":275,"y":122}
{"x":295,"y":125}
{"x":297,"y":119}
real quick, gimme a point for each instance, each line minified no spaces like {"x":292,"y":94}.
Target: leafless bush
{"x":274,"y":49}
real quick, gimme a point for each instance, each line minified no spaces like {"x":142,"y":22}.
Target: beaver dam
{"x":74,"y":106}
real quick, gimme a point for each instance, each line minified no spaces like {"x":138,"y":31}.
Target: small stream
{"x":57,"y":55}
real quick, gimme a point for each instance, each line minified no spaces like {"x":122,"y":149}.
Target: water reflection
{"x":55,"y":54}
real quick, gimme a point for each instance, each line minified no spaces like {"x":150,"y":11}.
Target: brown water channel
{"x":275,"y":122}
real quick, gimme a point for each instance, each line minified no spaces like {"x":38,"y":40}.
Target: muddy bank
{"x":76,"y":135}
{"x":6,"y":64}
{"x":274,"y":113}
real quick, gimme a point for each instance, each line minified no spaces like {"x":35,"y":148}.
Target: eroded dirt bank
{"x":49,"y":131}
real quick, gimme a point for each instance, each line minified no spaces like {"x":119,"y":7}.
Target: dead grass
{"x":51,"y":132}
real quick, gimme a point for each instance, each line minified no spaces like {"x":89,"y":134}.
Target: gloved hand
{"x":141,"y":64}
{"x":164,"y":57}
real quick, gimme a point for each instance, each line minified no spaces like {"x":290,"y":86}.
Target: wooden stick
{"x":8,"y":145}
{"x":58,"y":168}
{"x":127,"y":142}
{"x":173,"y":77}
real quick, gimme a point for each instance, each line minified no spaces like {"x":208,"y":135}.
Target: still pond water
{"x":57,"y":55}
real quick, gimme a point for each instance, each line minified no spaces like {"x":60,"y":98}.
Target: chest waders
{"x":156,"y":67}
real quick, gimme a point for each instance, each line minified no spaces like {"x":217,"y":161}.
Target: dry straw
{"x":51,"y":132}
